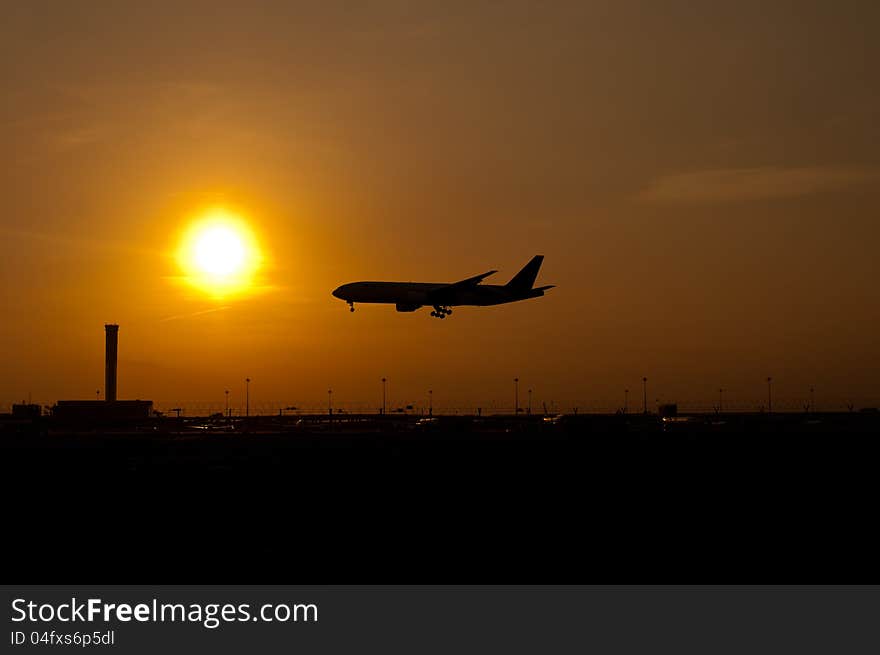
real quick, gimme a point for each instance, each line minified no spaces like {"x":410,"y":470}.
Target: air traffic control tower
{"x":110,"y":409}
{"x":111,"y":343}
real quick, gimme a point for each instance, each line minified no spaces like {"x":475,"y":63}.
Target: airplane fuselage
{"x":420,"y":293}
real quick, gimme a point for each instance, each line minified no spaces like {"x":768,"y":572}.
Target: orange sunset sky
{"x":703,"y":179}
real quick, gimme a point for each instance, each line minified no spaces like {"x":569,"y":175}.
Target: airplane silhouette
{"x":410,"y":296}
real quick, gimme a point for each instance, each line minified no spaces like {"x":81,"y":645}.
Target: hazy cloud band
{"x":737,"y":184}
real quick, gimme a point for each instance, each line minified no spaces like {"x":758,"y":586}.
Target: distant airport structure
{"x":410,"y":296}
{"x":109,"y":409}
{"x":111,"y":347}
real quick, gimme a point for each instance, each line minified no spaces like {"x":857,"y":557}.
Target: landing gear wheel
{"x":350,"y":306}
{"x":449,"y":312}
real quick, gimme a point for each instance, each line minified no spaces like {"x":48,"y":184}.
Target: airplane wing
{"x":444,"y":291}
{"x":470,"y":282}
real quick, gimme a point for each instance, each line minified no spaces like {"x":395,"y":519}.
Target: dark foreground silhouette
{"x":760,"y":499}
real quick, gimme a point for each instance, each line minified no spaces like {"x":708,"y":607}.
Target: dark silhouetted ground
{"x":588,"y":499}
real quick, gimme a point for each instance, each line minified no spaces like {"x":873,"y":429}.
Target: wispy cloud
{"x":78,"y":137}
{"x":740,"y":184}
{"x":78,"y":241}
{"x":193,"y":314}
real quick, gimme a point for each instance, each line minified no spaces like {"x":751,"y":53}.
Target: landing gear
{"x":351,"y":305}
{"x":441,"y":311}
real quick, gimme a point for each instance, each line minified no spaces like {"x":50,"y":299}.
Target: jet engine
{"x":407,"y":307}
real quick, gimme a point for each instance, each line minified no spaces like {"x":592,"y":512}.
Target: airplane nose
{"x":338,"y":292}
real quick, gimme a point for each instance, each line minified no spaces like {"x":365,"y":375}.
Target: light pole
{"x":330,"y":402}
{"x":812,"y":401}
{"x":769,"y":396}
{"x":625,"y":400}
{"x":226,"y":411}
{"x":384,"y":380}
{"x":645,"y":395}
{"x":97,"y":394}
{"x":516,"y":396}
{"x":529,"y":410}
{"x":430,"y":402}
{"x":247,"y":397}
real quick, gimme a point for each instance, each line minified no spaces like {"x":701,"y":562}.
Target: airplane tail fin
{"x":525,"y":279}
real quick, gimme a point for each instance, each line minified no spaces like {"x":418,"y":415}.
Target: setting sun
{"x":219,"y":253}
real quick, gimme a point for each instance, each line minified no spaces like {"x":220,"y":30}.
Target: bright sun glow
{"x":219,"y":253}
